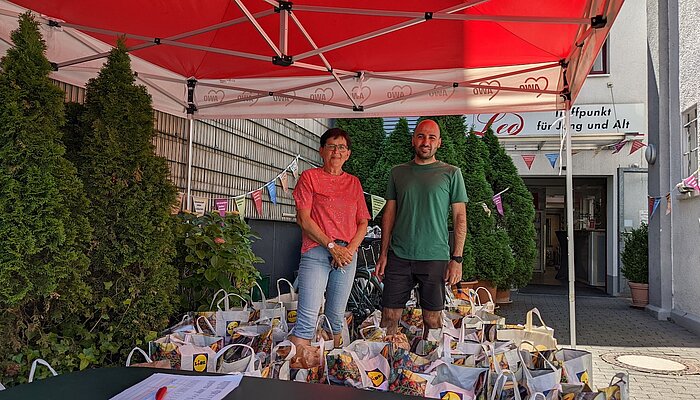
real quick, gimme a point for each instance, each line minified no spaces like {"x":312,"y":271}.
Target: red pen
{"x":160,"y":394}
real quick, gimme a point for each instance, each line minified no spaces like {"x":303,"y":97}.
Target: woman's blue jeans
{"x":316,"y":277}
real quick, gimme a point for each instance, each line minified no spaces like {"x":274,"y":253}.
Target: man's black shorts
{"x":402,"y":275}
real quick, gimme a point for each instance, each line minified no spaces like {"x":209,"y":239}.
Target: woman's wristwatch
{"x":331,"y":245}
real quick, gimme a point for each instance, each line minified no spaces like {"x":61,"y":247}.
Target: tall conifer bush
{"x":130,"y":196}
{"x":43,"y":225}
{"x":367,"y":136}
{"x":396,"y":150}
{"x":491,"y":251}
{"x":518,"y":209}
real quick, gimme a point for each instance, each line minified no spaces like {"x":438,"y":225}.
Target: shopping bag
{"x":410,"y":383}
{"x":225,"y":318}
{"x":289,"y":362}
{"x":546,"y":380}
{"x":577,"y":366}
{"x":479,"y":304}
{"x":230,"y":362}
{"x":288,"y":300}
{"x":345,"y":334}
{"x":618,"y":389}
{"x":163,"y":364}
{"x":280,"y":358}
{"x":541,"y":337}
{"x":361,"y":364}
{"x":370,"y":328}
{"x":455,"y":382}
{"x":264,"y":309}
{"x":503,"y":389}
{"x":411,"y":322}
{"x":185,"y":355}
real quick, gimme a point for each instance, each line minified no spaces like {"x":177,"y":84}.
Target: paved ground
{"x":606,"y":325}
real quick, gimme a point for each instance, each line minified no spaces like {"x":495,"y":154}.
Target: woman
{"x":333,"y":216}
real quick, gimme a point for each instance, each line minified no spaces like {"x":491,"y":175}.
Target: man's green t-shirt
{"x":424,"y":195}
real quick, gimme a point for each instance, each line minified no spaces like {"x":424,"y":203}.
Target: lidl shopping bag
{"x":618,"y":388}
{"x":230,"y":362}
{"x":301,"y":364}
{"x":265,"y":310}
{"x":577,"y":365}
{"x":289,"y":302}
{"x":546,"y":380}
{"x":362,"y":364}
{"x":455,"y":382}
{"x":183,"y":354}
{"x":225,"y":318}
{"x":541,"y":337}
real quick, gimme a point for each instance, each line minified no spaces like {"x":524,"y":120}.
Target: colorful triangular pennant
{"x":668,"y":203}
{"x":284,"y":180}
{"x":653,"y":205}
{"x":377,"y":205}
{"x":552,"y":157}
{"x":636,"y":145}
{"x":529,"y":159}
{"x":499,"y":203}
{"x":272,"y":191}
{"x":240,"y":206}
{"x":221,"y":206}
{"x":692,"y":182}
{"x":294,"y":167}
{"x":200,"y":205}
{"x":257,"y":200}
{"x":618,"y":146}
{"x":486,"y":208}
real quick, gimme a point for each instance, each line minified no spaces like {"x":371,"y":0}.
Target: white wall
{"x":686,"y":212}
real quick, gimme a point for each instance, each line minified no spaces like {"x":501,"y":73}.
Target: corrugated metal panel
{"x":231,"y":157}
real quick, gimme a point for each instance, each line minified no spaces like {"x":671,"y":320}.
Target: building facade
{"x":674,"y":94}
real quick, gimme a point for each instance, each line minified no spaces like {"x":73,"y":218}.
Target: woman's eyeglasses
{"x":333,"y":147}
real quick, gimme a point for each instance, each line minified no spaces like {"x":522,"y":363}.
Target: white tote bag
{"x":289,"y":301}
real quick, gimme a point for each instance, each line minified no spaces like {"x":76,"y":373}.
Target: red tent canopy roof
{"x":229,"y":40}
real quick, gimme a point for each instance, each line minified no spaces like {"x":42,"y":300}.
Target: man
{"x":415,"y":239}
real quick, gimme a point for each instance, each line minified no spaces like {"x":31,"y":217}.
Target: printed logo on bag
{"x":200,"y":362}
{"x":583,"y":377}
{"x":292,"y":316}
{"x":377,"y":377}
{"x":230,"y":326}
{"x":449,"y":395}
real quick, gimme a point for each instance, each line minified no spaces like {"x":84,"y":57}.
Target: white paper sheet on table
{"x":182,"y":387}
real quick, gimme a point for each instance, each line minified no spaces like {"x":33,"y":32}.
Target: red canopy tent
{"x":296,"y":59}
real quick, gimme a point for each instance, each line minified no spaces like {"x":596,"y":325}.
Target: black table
{"x":104,"y":383}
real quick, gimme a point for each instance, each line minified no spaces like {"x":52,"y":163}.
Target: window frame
{"x":605,"y":59}
{"x":690,"y":140}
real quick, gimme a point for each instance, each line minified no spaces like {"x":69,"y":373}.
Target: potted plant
{"x":635,"y":264}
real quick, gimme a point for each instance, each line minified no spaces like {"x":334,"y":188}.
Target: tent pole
{"x":570,"y":226}
{"x":190,"y":123}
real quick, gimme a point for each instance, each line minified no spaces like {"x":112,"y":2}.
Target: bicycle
{"x":366,"y":292}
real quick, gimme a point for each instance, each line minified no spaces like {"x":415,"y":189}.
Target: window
{"x":691,"y":153}
{"x":600,"y":66}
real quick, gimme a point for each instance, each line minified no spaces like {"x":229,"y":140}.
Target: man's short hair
{"x":335,"y":133}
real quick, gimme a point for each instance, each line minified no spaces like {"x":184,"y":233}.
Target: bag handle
{"x":536,"y":395}
{"x":227,"y":306}
{"x":328,"y":322}
{"x":263,"y":299}
{"x":216,"y":296}
{"x":528,"y":319}
{"x":294,"y":295}
{"x":251,"y":363}
{"x":551,"y":366}
{"x":42,"y":362}
{"x":622,"y":377}
{"x":284,"y":343}
{"x":131,"y":353}
{"x":487,"y":292}
{"x":462,"y":332}
{"x":362,"y":331}
{"x":209,"y":326}
{"x":501,"y":380}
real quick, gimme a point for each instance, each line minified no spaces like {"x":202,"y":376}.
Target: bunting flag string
{"x":486,"y":208}
{"x":619,"y":146}
{"x":221,"y":206}
{"x":653,"y":205}
{"x":272,"y":191}
{"x":378,"y":204}
{"x":240,"y":206}
{"x":552,"y":157}
{"x":692,"y":182}
{"x":636,"y":145}
{"x":200,"y":205}
{"x":257,"y":200}
{"x":668,"y":203}
{"x":284,"y":180}
{"x":294,"y":167}
{"x":498,"y":202}
{"x":529,"y":159}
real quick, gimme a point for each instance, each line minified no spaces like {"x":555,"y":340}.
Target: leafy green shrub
{"x":43,"y":225}
{"x":213,"y":253}
{"x":635,"y":255}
